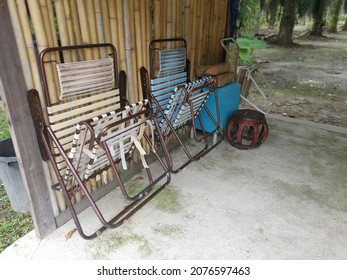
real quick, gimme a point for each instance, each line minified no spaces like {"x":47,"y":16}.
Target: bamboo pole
{"x":68,"y":21}
{"x":215,"y":31}
{"x":202,"y":26}
{"x":121,"y":29}
{"x":92,"y":26}
{"x":113,"y":23}
{"x":129,"y":60}
{"x":179,"y":21}
{"x":54,"y":30}
{"x":23,"y":55}
{"x":69,"y":26}
{"x":210,"y":30}
{"x":51,"y":34}
{"x":143,"y":11}
{"x":157,"y":27}
{"x":139,"y":20}
{"x":109,"y":18}
{"x":42,"y":43}
{"x":106,"y":21}
{"x":76,"y":27}
{"x":157,"y":19}
{"x":222,"y":29}
{"x":187,"y":21}
{"x":207,"y":28}
{"x":138,"y":45}
{"x":28,"y":39}
{"x":174,"y":18}
{"x":168,"y":20}
{"x":63,"y":30}
{"x":148,"y":31}
{"x":82,"y":16}
{"x":99,"y":25}
{"x":133,"y":46}
{"x":193,"y":39}
{"x":163,"y":20}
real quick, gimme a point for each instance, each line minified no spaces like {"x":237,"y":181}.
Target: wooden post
{"x":13,"y":94}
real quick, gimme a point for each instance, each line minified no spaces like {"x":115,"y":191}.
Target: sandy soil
{"x":308,"y":81}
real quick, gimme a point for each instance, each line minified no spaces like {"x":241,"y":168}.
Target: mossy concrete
{"x":286,"y":199}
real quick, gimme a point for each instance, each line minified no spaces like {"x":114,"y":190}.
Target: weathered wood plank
{"x":13,"y":94}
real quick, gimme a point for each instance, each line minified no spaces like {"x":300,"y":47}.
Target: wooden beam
{"x":13,"y":93}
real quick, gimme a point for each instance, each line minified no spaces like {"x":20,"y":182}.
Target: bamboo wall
{"x":128,"y":24}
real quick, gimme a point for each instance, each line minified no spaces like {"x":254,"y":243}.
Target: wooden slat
{"x":105,"y":103}
{"x":76,"y":120}
{"x":82,"y":101}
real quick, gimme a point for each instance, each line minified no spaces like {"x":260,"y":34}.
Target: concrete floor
{"x":284,"y":200}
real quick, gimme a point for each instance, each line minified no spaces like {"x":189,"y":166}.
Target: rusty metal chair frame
{"x":170,"y":79}
{"x":108,"y":128}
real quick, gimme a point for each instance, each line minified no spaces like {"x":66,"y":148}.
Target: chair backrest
{"x":168,"y":69}
{"x":172,"y":61}
{"x":85,"y":77}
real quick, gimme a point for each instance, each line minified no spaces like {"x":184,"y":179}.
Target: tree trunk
{"x":318,"y":21}
{"x":285,"y":35}
{"x":273,"y":8}
{"x":344,"y":28}
{"x":335,"y":16}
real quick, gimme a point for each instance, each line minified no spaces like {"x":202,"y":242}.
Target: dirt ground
{"x":308,"y":81}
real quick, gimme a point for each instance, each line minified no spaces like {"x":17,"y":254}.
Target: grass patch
{"x":4,"y":129}
{"x":13,"y":225}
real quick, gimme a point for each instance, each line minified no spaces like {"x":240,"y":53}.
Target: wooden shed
{"x":29,"y":26}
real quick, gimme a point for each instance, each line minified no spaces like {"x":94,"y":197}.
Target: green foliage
{"x":247,"y":19}
{"x":12,"y":225}
{"x":4,"y":129}
{"x":311,"y":7}
{"x":247,"y":47}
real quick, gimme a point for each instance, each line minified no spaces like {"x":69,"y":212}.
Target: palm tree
{"x":271,"y":8}
{"x":319,"y":7}
{"x":336,"y":9}
{"x":285,"y":35}
{"x":345,"y":9}
{"x":316,"y":8}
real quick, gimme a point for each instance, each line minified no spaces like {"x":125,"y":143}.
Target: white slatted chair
{"x":91,"y":130}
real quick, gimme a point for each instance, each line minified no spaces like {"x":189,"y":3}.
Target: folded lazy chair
{"x":91,"y":130}
{"x":176,"y":100}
